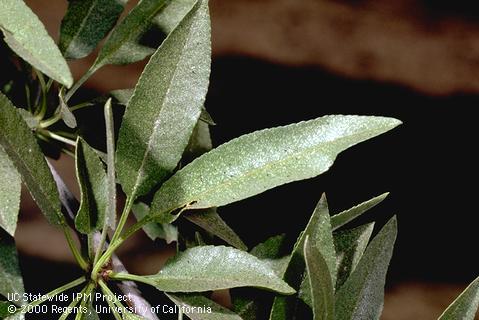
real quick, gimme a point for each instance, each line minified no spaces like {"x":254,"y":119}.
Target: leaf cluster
{"x":164,"y":162}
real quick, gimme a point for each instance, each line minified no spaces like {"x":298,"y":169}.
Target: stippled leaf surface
{"x":165,"y":105}
{"x":342,"y":218}
{"x":21,"y":146}
{"x":65,"y":112}
{"x":271,"y":252}
{"x":91,"y":177}
{"x":362,"y":295}
{"x":86,"y":23}
{"x":10,"y":277}
{"x":122,"y":46}
{"x":26,"y":35}
{"x":210,"y":220}
{"x":110,"y":208}
{"x":262,"y":160}
{"x":350,"y":246}
{"x":172,"y":14}
{"x":199,"y":302}
{"x":320,"y":282}
{"x":465,"y":306}
{"x":318,"y":231}
{"x":10,"y":188}
{"x":211,"y":268}
{"x":165,"y":231}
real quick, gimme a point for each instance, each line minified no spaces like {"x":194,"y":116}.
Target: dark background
{"x":428,"y":163}
{"x":275,"y":63}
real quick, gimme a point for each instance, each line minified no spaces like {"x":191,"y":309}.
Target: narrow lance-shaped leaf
{"x":165,"y":231}
{"x":211,"y":221}
{"x":209,"y":268}
{"x":110,"y":214}
{"x":262,"y":160}
{"x":362,"y":295}
{"x":271,"y":252}
{"x":208,"y":219}
{"x":166,"y":105}
{"x":86,"y":23}
{"x":350,"y":246}
{"x":320,"y":282}
{"x":27,"y":36}
{"x":91,"y":177}
{"x":21,"y":146}
{"x":342,"y":218}
{"x":122,"y":46}
{"x":10,"y":277}
{"x":64,"y":111}
{"x":465,"y":306}
{"x":198,"y":307}
{"x":319,"y":232}
{"x":10,"y":188}
{"x":172,"y":14}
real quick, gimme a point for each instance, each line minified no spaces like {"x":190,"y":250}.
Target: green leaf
{"x":25,"y":34}
{"x":262,"y":160}
{"x":465,"y":306}
{"x":10,"y":188}
{"x":200,"y":140}
{"x":340,"y":219}
{"x":198,"y":307}
{"x":211,"y":221}
{"x":10,"y":276}
{"x":86,"y":23}
{"x":165,"y":105}
{"x":122,"y":95}
{"x":362,"y":295}
{"x":131,"y":316}
{"x":65,"y":112}
{"x":91,"y":314}
{"x":319,"y":232}
{"x":322,"y":238}
{"x":122,"y":46}
{"x":110,"y":209}
{"x":29,"y":118}
{"x":172,"y":14}
{"x":91,"y":177}
{"x":271,"y":252}
{"x":212,"y":268}
{"x":320,"y":282}
{"x":350,"y":246}
{"x":21,"y":146}
{"x":165,"y":231}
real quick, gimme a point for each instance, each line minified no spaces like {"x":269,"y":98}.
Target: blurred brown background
{"x":280,"y":61}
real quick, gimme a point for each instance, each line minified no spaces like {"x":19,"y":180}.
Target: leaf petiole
{"x":76,"y":253}
{"x":55,"y":292}
{"x":57,"y":137}
{"x":73,"y":304}
{"x":112,"y":301}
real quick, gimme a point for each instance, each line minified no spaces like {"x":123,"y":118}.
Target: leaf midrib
{"x":253,"y":171}
{"x":6,"y":144}
{"x":127,"y":36}
{"x":82,"y":24}
{"x":174,"y":75}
